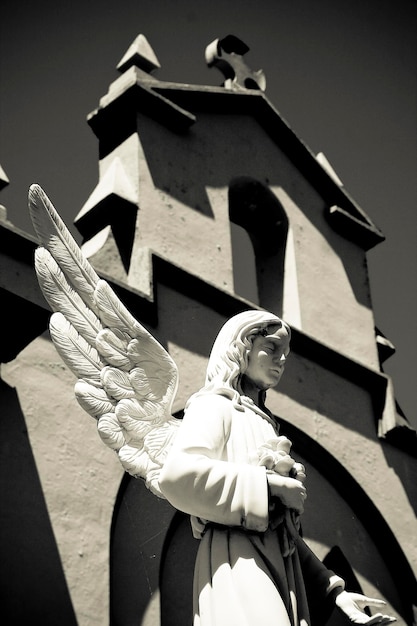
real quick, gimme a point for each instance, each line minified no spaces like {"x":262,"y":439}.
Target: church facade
{"x":207,"y":204}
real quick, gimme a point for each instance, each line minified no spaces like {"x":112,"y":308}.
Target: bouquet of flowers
{"x":275,"y":456}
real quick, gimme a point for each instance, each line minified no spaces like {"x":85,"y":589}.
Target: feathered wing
{"x":126,"y":380}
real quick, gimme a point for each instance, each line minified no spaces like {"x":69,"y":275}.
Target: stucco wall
{"x":79,"y":476}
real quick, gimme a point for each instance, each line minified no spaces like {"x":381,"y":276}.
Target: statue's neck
{"x":251,"y":390}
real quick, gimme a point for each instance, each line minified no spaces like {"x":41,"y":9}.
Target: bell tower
{"x":213,"y":181}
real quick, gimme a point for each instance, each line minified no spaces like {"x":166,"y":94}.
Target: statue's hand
{"x":351,"y":604}
{"x":290,"y":491}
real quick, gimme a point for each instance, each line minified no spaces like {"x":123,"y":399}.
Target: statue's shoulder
{"x":211,"y":403}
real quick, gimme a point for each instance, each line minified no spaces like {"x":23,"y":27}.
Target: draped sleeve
{"x":315,"y":573}
{"x":200,"y":478}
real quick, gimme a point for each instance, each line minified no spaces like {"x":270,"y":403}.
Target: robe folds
{"x":242,"y":576}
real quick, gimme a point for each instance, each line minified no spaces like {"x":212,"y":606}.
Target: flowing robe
{"x":242,"y":574}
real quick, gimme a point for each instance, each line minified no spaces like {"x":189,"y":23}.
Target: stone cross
{"x":227,"y":55}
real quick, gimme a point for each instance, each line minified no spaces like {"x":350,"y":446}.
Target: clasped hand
{"x":290,"y":491}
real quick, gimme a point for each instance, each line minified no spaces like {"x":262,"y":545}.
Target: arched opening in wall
{"x":244,"y":264}
{"x":258,"y":251}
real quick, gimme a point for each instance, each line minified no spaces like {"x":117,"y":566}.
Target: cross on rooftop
{"x":227,"y":55}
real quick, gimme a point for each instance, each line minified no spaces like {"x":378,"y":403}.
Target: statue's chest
{"x":249,"y":430}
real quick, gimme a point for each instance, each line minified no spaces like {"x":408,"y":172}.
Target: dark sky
{"x":342,"y":73}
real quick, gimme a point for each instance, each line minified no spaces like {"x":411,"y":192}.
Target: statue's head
{"x":229,"y":356}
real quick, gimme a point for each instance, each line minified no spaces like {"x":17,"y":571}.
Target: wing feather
{"x":81,"y":358}
{"x":136,"y":461}
{"x":113,"y":312}
{"x":131,"y":407}
{"x":112,"y":345}
{"x":62,"y":297}
{"x":55,"y":236}
{"x":154,"y":362}
{"x":110,"y":431}
{"x":135,"y":431}
{"x":158,"y":440}
{"x":94,"y":400}
{"x":117,"y":383}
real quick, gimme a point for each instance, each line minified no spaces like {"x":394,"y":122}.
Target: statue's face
{"x":267,"y":357}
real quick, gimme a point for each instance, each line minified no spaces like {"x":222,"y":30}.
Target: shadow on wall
{"x":139,"y":527}
{"x":401,"y":465}
{"x":33,"y":585}
{"x":190,"y":164}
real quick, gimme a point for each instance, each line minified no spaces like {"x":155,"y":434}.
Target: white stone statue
{"x":225,"y":463}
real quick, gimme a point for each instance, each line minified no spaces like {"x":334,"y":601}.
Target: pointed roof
{"x":139,"y":54}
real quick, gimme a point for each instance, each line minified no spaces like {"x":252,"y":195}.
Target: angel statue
{"x":225,"y":464}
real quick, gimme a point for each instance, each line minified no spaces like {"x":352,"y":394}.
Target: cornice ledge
{"x":361,"y":232}
{"x":132,"y":92}
{"x":17,"y":243}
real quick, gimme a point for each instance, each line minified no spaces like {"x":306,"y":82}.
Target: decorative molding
{"x":4,"y":180}
{"x":359,"y":230}
{"x":116,"y":117}
{"x":385,"y":347}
